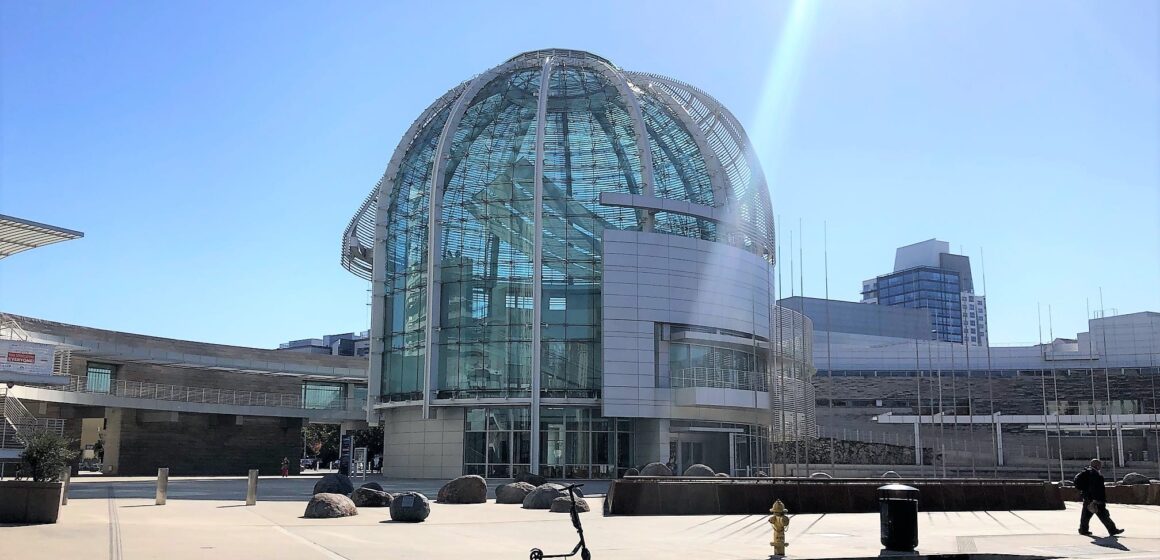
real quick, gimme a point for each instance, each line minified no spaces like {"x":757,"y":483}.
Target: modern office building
{"x":571,"y":268}
{"x":344,"y":344}
{"x":927,"y":276}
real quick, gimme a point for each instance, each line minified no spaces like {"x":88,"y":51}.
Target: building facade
{"x":571,"y":271}
{"x":927,"y":276}
{"x":344,"y":344}
{"x":1037,"y":410}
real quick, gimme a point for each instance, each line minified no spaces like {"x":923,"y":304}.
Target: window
{"x":321,"y":395}
{"x":557,"y":303}
{"x":98,"y":378}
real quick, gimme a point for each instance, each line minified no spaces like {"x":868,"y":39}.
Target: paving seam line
{"x":115,"y":552}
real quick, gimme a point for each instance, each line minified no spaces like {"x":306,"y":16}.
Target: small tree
{"x":47,"y":455}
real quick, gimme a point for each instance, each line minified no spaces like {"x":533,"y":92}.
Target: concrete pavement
{"x":112,"y":525}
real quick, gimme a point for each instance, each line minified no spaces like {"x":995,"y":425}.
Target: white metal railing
{"x":205,"y":395}
{"x":719,"y":378}
{"x":17,"y":423}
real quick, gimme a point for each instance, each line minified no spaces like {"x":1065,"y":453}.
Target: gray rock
{"x":699,"y":470}
{"x":410,"y":507}
{"x":326,"y":506}
{"x":820,"y":475}
{"x":334,"y":483}
{"x":721,"y":475}
{"x":891,"y":474}
{"x":656,"y":469}
{"x":631,"y":471}
{"x":533,"y":479}
{"x":564,"y":505}
{"x":760,"y":473}
{"x":1134,"y":478}
{"x":513,"y":493}
{"x":541,"y":497}
{"x":373,"y":485}
{"x":467,"y":489}
{"x":365,"y":496}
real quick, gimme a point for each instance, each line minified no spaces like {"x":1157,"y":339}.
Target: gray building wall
{"x":861,"y":318}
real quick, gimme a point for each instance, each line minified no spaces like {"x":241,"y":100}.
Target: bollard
{"x":252,"y":488}
{"x":162,"y":485}
{"x":780,"y":522}
{"x":65,"y":479}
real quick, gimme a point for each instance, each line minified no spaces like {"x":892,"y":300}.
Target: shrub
{"x":47,"y":455}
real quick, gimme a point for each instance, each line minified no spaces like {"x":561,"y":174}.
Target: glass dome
{"x":519,"y":170}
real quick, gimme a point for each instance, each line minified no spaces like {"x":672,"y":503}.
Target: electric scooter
{"x":582,"y":548}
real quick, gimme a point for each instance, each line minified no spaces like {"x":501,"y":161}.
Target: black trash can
{"x":898,"y":514}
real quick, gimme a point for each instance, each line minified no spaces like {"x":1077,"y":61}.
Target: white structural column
{"x":638,"y":128}
{"x":380,"y":312}
{"x":434,"y":227}
{"x":537,"y":263}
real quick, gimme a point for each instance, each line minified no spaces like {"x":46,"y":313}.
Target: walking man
{"x":1090,"y":484}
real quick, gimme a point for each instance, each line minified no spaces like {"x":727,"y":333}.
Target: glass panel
{"x":99,"y":378}
{"x":474,"y":447}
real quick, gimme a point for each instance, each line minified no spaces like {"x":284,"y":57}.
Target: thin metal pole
{"x":971,"y":412}
{"x":990,"y":383}
{"x":1108,"y":386}
{"x":805,"y":371}
{"x":919,"y":458}
{"x":829,"y":360}
{"x":1092,"y":377}
{"x":1043,"y":389}
{"x":1055,"y":389}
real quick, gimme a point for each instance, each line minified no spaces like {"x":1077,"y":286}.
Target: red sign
{"x":21,"y":358}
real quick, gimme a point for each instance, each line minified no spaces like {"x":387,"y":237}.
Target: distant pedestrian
{"x":285,"y":467}
{"x":1090,"y":484}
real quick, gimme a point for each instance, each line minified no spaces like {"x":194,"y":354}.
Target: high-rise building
{"x":928,"y":276}
{"x":571,"y":270}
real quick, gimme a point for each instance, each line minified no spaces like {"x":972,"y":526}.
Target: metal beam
{"x":537,"y":262}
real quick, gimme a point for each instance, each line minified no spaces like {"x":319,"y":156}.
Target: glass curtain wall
{"x":497,"y":442}
{"x":406,"y":268}
{"x":579,"y":443}
{"x":589,"y":148}
{"x":488,"y":244}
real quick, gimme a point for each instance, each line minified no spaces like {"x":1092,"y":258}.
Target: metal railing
{"x":203,"y":395}
{"x":17,"y":423}
{"x":719,"y":378}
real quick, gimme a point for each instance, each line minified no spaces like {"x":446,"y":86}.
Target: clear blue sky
{"x":213,"y":152}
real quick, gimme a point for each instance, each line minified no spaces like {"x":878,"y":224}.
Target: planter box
{"x":29,"y":502}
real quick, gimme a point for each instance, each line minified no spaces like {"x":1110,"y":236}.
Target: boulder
{"x":410,"y":507}
{"x":564,"y":505}
{"x":699,"y":470}
{"x":326,"y":506}
{"x":334,"y":483}
{"x":721,"y":475}
{"x":820,"y":475}
{"x":541,"y":497}
{"x":631,"y":471}
{"x":533,"y":479}
{"x":467,"y":489}
{"x":656,"y":469}
{"x":760,"y":473}
{"x":373,"y":485}
{"x":1134,"y":478}
{"x":365,"y":496}
{"x":890,"y":474}
{"x":513,"y":493}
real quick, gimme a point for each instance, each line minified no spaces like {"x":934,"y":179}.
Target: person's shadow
{"x":1109,"y":542}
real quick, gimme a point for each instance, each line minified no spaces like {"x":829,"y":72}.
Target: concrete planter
{"x":29,"y":502}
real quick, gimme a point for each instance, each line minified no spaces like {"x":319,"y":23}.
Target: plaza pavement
{"x":206,"y":518}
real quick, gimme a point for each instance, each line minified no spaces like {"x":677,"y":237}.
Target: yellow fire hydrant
{"x":780,"y":521}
